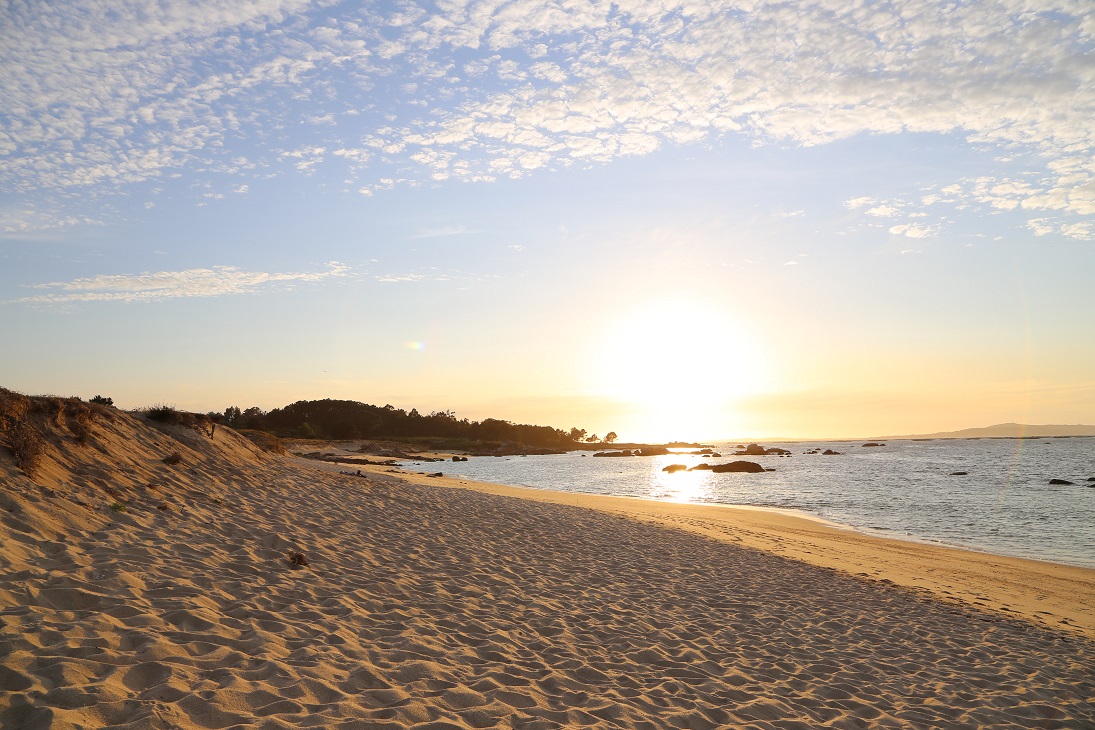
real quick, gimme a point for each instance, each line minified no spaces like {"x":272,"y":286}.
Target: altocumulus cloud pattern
{"x":101,"y":97}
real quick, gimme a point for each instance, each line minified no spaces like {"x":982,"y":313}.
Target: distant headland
{"x":1008,"y":430}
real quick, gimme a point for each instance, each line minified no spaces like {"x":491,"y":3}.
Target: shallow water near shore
{"x":1004,"y":503}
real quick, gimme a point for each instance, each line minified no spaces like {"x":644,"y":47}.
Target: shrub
{"x":26,"y":446}
{"x":173,"y":458}
{"x":163,"y":413}
{"x":102,"y":401}
{"x":265,"y":441}
{"x":79,"y":421}
{"x":118,"y":507}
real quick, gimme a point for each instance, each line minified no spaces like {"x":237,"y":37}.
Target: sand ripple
{"x":438,"y":609}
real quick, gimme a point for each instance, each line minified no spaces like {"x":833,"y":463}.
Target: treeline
{"x":345,"y":419}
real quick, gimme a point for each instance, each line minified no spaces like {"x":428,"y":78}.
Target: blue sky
{"x":664,"y":219}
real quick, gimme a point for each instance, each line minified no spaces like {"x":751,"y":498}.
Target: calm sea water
{"x":904,"y":489}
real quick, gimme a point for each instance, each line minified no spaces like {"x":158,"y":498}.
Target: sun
{"x":679,"y":365}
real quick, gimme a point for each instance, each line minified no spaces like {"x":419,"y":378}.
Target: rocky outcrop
{"x":625,"y":452}
{"x":674,"y":468}
{"x":734,"y":466}
{"x":750,"y":467}
{"x":1062,"y":482}
{"x":758,"y":450}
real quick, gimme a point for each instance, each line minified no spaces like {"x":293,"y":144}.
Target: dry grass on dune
{"x":272,"y":595}
{"x":73,"y":458}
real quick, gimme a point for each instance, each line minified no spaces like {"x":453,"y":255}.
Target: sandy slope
{"x":427,"y":606}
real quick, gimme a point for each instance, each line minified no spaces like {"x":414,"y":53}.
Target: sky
{"x":689,"y":220}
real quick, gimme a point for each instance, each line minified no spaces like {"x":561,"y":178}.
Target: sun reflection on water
{"x":683,"y":485}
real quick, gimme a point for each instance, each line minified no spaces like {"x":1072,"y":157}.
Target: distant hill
{"x":1008,"y":430}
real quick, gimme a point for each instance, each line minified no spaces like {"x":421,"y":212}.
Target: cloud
{"x":400,"y":278}
{"x":443,"y":232}
{"x":106,"y":94}
{"x":1040,"y":226}
{"x":432,"y":273}
{"x":1084,"y":231}
{"x":162,"y":285}
{"x":914,"y":230}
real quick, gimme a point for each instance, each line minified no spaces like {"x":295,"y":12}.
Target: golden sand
{"x":429,"y":606}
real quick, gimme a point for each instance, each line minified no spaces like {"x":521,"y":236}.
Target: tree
{"x":306,"y":431}
{"x":577,"y":434}
{"x":593,"y":439}
{"x":610,"y":437}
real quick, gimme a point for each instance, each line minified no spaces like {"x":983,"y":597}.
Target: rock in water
{"x":734,"y":466}
{"x":1062,"y":482}
{"x":675,"y":468}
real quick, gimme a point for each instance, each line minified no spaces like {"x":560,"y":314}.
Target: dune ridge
{"x":432,"y":607}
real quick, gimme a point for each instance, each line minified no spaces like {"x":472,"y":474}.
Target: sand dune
{"x":433,"y":607}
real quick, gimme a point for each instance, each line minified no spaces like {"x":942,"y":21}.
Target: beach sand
{"x":426,"y":605}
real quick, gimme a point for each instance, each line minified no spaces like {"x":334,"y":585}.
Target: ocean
{"x":905,"y":489}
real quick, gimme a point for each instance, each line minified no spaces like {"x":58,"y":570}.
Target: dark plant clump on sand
{"x":173,"y":458}
{"x":172,"y":416}
{"x":297,"y":560}
{"x":163,"y":413}
{"x":26,"y":446}
{"x":16,"y":429}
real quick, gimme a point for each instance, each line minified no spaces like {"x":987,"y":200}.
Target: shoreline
{"x":228,"y":587}
{"x":1005,"y":515}
{"x":1057,"y":595}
